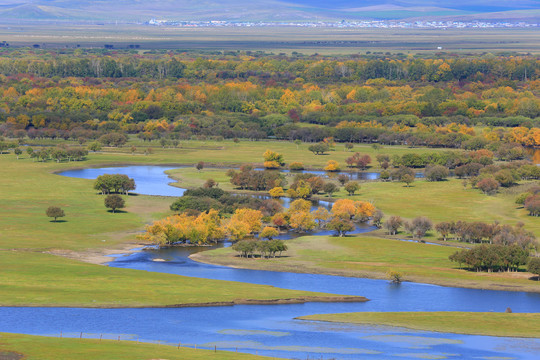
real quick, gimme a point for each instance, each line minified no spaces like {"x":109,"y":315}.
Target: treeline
{"x":492,"y":258}
{"x":480,"y":232}
{"x":118,"y":65}
{"x":170,"y":97}
{"x":57,"y":154}
{"x":463,"y":231}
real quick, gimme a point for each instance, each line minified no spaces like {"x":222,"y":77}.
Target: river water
{"x":271,"y":329}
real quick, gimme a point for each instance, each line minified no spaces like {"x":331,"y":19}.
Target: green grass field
{"x":28,"y":237}
{"x":30,"y":275}
{"x":16,"y":346}
{"x":490,"y":324}
{"x":324,"y":41}
{"x":37,"y":279}
{"x":372,"y":257}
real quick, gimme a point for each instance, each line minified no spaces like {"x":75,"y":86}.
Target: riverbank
{"x":470,"y":323}
{"x":369,"y":256}
{"x":28,"y":347}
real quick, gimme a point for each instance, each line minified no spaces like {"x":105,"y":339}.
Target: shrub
{"x":488,"y":185}
{"x":296,"y":166}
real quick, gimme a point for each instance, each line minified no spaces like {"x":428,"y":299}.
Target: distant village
{"x":390,"y":24}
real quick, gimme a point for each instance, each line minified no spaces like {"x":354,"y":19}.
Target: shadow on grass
{"x":56,"y":221}
{"x":117,"y":212}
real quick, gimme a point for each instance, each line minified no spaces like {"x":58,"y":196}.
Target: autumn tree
{"x":332,"y":166}
{"x":268,"y":232}
{"x":273,"y":160}
{"x":488,"y":185}
{"x":276,"y":192}
{"x":359,"y":211}
{"x":321,"y":215}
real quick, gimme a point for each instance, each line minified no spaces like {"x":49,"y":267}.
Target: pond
{"x":272,"y":329}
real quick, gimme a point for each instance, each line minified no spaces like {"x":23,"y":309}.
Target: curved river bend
{"x":271,"y":329}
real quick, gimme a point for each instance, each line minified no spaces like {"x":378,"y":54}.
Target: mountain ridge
{"x":266,"y":10}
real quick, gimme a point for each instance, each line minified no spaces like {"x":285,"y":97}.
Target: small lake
{"x":271,"y":329}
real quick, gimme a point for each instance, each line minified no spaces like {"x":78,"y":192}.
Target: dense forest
{"x":389,"y":99}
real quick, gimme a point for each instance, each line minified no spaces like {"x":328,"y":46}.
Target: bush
{"x":436,"y":173}
{"x":395,"y":276}
{"x":296,"y":166}
{"x":488,"y":185}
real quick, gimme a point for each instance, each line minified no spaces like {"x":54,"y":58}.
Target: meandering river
{"x":271,"y":329}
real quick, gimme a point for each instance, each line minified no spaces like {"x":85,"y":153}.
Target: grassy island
{"x":16,"y":346}
{"x":472,"y":323}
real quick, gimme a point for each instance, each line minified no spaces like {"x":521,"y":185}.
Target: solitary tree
{"x":340,"y":225}
{"x":330,"y":188}
{"x":395,"y":276}
{"x":351,"y":187}
{"x":407,"y":179}
{"x":17,"y":152}
{"x":534,"y":267}
{"x":199,"y":166}
{"x":55,"y":212}
{"x":114,"y":202}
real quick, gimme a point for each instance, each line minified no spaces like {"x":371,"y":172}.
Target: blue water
{"x":150,"y":180}
{"x":273,"y":331}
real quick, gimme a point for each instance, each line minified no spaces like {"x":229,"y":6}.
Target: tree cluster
{"x":114,"y":183}
{"x":492,"y":258}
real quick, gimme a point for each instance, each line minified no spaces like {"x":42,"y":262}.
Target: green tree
{"x":55,"y":212}
{"x":114,"y":202}
{"x":94,"y":146}
{"x":329,"y":188}
{"x":534,"y":267}
{"x":407,"y":179}
{"x":340,"y":225}
{"x":319,"y":149}
{"x":17,"y":152}
{"x":351,"y":187}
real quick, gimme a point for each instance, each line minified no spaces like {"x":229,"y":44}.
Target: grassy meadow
{"x":30,"y":275}
{"x":29,"y":347}
{"x":29,"y":241}
{"x":324,"y":41}
{"x":372,"y":257}
{"x":473,"y":323}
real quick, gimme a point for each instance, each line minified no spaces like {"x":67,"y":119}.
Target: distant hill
{"x":266,"y":10}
